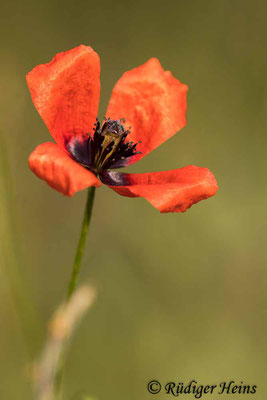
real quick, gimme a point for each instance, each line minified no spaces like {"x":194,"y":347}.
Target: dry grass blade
{"x":61,"y":328}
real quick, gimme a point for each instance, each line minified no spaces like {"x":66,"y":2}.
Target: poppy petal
{"x":52,"y":164}
{"x":152,"y":101}
{"x":66,"y":92}
{"x":168,"y":191}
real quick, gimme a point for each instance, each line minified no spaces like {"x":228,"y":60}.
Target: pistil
{"x":106,"y":149}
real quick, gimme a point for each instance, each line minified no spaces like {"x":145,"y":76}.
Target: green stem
{"x":82,"y":242}
{"x":75,"y":275}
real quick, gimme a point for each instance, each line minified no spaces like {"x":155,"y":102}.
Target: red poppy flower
{"x":66,"y":92}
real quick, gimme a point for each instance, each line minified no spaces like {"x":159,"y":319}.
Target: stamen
{"x":106,"y":148}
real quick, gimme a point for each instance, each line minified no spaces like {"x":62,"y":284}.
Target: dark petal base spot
{"x":114,"y":178}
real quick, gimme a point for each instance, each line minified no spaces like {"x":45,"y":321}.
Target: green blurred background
{"x":181,"y":296}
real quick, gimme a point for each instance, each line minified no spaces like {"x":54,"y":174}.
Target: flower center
{"x":106,"y":149}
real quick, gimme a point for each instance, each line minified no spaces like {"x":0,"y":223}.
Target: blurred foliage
{"x":181,"y":296}
{"x":82,"y":397}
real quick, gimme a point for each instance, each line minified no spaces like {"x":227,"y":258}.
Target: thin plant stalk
{"x":75,"y":276}
{"x":82,"y":241}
